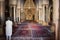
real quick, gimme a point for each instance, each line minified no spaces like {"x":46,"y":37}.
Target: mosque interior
{"x":38,"y":14}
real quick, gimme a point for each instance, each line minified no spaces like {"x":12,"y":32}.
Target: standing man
{"x":9,"y":24}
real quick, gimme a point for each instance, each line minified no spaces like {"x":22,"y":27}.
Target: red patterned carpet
{"x":30,"y":30}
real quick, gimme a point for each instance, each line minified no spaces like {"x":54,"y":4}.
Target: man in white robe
{"x":9,"y":24}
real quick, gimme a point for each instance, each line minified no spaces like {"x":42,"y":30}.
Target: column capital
{"x":47,"y":6}
{"x":12,"y":2}
{"x":45,"y":1}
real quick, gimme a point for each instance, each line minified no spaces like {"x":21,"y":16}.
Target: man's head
{"x":8,"y":18}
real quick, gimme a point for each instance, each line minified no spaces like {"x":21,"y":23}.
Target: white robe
{"x":8,"y":28}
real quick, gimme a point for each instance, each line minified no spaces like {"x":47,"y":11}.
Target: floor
{"x":26,"y":38}
{"x":18,"y":38}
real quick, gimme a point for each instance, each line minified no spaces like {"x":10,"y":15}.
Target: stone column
{"x":40,"y":15}
{"x":19,"y":15}
{"x":44,"y":13}
{"x":47,"y":14}
{"x":2,"y":11}
{"x":40,"y":11}
{"x":14,"y":9}
{"x":36,"y":15}
{"x":2,"y":15}
{"x":13,"y":4}
{"x":56,"y":15}
{"x":18,"y":10}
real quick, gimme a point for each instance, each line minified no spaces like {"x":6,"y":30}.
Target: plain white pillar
{"x":56,"y":15}
{"x":2,"y":11}
{"x":44,"y":13}
{"x":14,"y":13}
